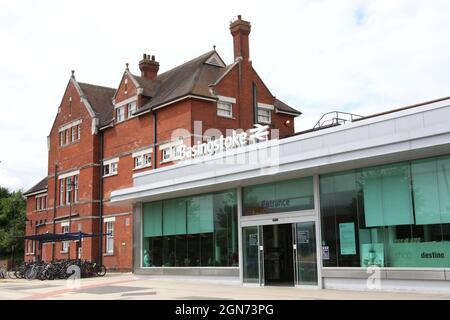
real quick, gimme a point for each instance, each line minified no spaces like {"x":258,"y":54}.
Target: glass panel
{"x":225,"y":230}
{"x":209,"y":239}
{"x":174,"y":217}
{"x":250,"y":245}
{"x":387,"y":195}
{"x":278,"y":254}
{"x":443,"y":168}
{"x":395,"y":215}
{"x":156,"y":252}
{"x":291,"y":195}
{"x":306,"y":254}
{"x":200,"y":214}
{"x":328,"y":220}
{"x":206,"y":250}
{"x":168,"y":251}
{"x":181,"y":259}
{"x":193,"y":244}
{"x":426,"y":192}
{"x":153,"y":219}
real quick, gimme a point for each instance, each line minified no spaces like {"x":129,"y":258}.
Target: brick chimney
{"x":240,"y":29}
{"x":149,"y":67}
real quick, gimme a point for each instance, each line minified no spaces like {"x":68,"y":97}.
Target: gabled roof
{"x":100,"y":99}
{"x":40,"y":186}
{"x":193,"y":78}
{"x":190,"y":78}
{"x":280,"y":106}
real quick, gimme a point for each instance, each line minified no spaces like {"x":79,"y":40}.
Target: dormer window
{"x":120,"y":114}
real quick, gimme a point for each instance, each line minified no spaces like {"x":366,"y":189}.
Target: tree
{"x":12,"y":222}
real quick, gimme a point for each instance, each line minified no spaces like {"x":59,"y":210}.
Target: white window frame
{"x":73,"y":131}
{"x":143,"y":159}
{"x":67,"y":132}
{"x":147,"y":159}
{"x":138,"y":162}
{"x":120,"y":114}
{"x":61,"y":192}
{"x":264,"y":118}
{"x":65,"y":244}
{"x":38,"y":203}
{"x":112,"y":166}
{"x":75,"y":194}
{"x":176,"y":152}
{"x":41,"y":202}
{"x":167,"y":154}
{"x":132,"y":107}
{"x":224,"y":109}
{"x":169,"y":150}
{"x":69,"y":189}
{"x":30,"y":247}
{"x":109,"y":245}
{"x":267,"y":109}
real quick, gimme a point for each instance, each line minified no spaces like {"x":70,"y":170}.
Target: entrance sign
{"x":235,"y":140}
{"x":347,"y":236}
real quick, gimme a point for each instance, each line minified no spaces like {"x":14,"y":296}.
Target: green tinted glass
{"x":431,"y":189}
{"x":387,"y":195}
{"x":153,"y":219}
{"x":174,"y":217}
{"x":426,"y":191}
{"x":290,"y":195}
{"x":200,"y":214}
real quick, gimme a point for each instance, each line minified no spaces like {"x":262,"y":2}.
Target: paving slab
{"x":131,"y":287}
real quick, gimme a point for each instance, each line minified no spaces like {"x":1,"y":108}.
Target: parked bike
{"x":58,"y":269}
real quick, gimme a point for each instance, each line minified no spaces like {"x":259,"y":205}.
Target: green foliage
{"x":12,"y":222}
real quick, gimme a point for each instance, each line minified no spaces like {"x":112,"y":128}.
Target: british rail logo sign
{"x":235,"y":140}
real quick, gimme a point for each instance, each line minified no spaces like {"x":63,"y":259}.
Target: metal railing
{"x":335,"y":118}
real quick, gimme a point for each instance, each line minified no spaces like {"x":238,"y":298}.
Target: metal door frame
{"x":295,"y":217}
{"x":317,"y":244}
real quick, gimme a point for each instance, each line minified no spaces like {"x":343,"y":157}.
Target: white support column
{"x":318,"y":230}
{"x":240,"y":248}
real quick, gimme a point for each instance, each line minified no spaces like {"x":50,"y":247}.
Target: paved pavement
{"x":130,"y":287}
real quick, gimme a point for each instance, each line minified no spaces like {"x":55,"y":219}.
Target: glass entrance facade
{"x":281,"y":196}
{"x":198,"y":231}
{"x":395,"y":215}
{"x":280,"y":254}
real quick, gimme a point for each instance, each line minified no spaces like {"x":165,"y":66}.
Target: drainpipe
{"x":154,"y":140}
{"x":255,"y":103}
{"x":100,"y":213}
{"x":54,"y":208}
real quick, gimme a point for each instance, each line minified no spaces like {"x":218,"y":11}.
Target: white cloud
{"x":361,"y":56}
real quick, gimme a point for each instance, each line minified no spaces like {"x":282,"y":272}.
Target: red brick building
{"x":102,"y":136}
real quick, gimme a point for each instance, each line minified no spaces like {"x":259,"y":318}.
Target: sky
{"x":358,"y":56}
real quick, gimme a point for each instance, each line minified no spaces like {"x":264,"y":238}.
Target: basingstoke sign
{"x":235,"y":140}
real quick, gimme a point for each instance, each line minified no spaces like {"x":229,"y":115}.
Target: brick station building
{"x":102,"y":136}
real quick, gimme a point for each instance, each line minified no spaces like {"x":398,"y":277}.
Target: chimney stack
{"x":149,"y":67}
{"x":240,"y":29}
